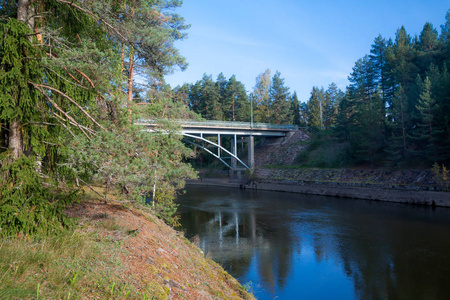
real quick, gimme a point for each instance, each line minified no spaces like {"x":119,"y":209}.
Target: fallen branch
{"x":91,"y":188}
{"x":59,"y":109}
{"x":73,"y":101}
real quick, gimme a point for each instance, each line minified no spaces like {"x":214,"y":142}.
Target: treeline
{"x":395,"y":112}
{"x":227,"y":99}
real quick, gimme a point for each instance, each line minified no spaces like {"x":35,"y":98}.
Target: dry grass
{"x":116,"y":252}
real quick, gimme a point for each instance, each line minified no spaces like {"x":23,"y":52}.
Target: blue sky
{"x":311,"y":43}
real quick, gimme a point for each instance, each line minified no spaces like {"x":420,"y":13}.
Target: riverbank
{"x":413,"y":186}
{"x":117,"y":251}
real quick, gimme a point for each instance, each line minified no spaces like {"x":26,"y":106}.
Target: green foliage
{"x":165,"y":207}
{"x":19,"y":61}
{"x":26,"y":206}
{"x":223,"y":100}
{"x":60,"y":105}
{"x":441,"y":176}
{"x":280,"y":106}
{"x":261,"y":97}
{"x":386,"y":111}
{"x":324,"y":151}
{"x":142,"y":160}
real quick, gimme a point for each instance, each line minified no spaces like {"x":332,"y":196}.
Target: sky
{"x":311,"y":43}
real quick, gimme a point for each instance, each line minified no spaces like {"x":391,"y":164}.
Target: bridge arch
{"x":218,"y":146}
{"x":195,"y":131}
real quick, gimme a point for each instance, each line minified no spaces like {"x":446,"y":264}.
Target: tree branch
{"x":70,"y":3}
{"x":72,"y":123}
{"x":59,"y":109}
{"x":63,"y":125}
{"x":71,"y":100}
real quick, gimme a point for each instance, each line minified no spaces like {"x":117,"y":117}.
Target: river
{"x":295,"y":246}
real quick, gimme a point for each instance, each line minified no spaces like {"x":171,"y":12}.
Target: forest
{"x":68,"y":100}
{"x":395,"y":112}
{"x":75,"y":75}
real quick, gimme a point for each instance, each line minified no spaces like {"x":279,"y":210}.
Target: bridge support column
{"x":251,"y":152}
{"x":234,"y":151}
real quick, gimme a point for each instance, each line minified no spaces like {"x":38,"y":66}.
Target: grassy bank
{"x":116,"y":251}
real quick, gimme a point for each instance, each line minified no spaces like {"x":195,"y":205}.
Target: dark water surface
{"x":294,"y":246}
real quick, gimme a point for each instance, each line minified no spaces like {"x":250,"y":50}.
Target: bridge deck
{"x":227,"y":128}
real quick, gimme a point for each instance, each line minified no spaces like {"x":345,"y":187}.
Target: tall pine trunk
{"x":15,"y":139}
{"x":130,"y":84}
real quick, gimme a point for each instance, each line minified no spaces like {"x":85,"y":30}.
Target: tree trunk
{"x":15,"y":139}
{"x":122,"y":62}
{"x":405,"y":161}
{"x":26,"y":12}
{"x":130,"y":83}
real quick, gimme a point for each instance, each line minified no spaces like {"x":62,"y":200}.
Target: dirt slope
{"x":158,"y":260}
{"x":282,"y":154}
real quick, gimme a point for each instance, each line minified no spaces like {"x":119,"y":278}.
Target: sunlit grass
{"x":58,"y":267}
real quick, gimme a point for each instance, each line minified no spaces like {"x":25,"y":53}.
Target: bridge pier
{"x":234,"y":151}
{"x":251,"y":153}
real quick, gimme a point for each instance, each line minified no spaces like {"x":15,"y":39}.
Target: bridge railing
{"x":223,"y":124}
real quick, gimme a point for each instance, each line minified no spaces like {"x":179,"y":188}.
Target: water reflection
{"x":296,"y":246}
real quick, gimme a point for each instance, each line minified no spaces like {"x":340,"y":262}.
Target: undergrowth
{"x":27,"y":204}
{"x":323,"y":151}
{"x":79,"y":264}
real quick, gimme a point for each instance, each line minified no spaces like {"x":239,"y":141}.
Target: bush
{"x":26,"y":205}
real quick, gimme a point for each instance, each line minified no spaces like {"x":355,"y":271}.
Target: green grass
{"x":323,"y":152}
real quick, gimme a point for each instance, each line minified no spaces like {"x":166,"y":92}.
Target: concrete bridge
{"x":208,"y":135}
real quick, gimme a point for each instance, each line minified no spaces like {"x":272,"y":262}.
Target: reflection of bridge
{"x":208,"y":136}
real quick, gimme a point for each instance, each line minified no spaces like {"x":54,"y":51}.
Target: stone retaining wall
{"x":416,"y":197}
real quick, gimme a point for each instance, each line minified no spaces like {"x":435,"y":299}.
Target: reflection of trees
{"x":393,"y":251}
{"x":389,"y":251}
{"x":255,"y":237}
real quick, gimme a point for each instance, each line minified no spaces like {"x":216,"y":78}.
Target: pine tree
{"x":427,"y":108}
{"x":236,"y":105}
{"x":210,"y":99}
{"x":397,"y":144}
{"x":428,"y":49}
{"x":60,"y":69}
{"x":295,"y":109}
{"x":314,"y":103}
{"x":279,"y":95}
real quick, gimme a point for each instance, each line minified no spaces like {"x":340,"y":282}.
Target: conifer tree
{"x":397,"y":143}
{"x":236,"y":105}
{"x":295,"y":109}
{"x":60,"y":69}
{"x":314,"y":109}
{"x":427,"y":109}
{"x":279,"y":95}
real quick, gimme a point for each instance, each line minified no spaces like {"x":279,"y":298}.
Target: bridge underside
{"x":208,"y":136}
{"x":213,"y":144}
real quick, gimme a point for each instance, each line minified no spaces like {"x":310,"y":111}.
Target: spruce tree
{"x":279,"y":95}
{"x":295,"y":109}
{"x":427,"y":109}
{"x":314,"y":116}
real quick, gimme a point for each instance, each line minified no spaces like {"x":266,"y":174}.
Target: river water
{"x":294,"y":246}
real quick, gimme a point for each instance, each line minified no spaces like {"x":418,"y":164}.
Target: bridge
{"x":208,"y":135}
